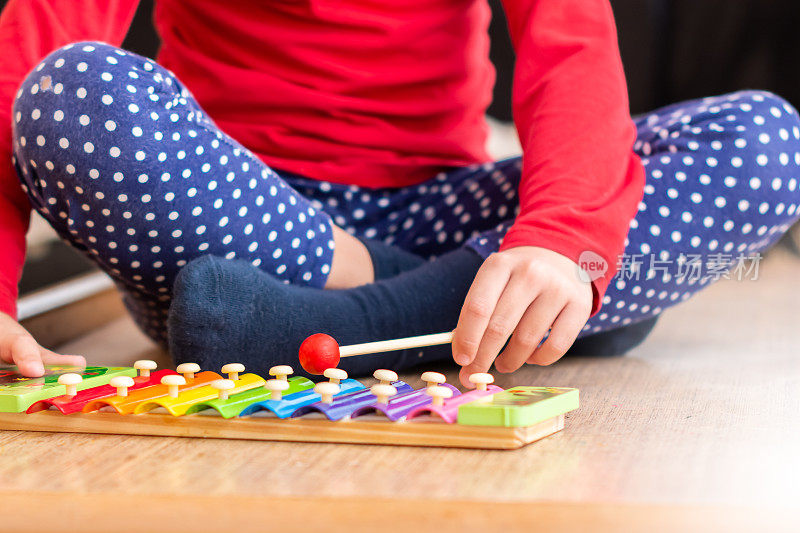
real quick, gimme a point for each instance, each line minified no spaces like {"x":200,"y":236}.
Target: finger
{"x":512,"y":305}
{"x":533,"y":326}
{"x":51,"y":358}
{"x":26,"y":354}
{"x":5,"y":352}
{"x":563,"y":333}
{"x":477,"y":310}
{"x":467,"y":371}
{"x":479,"y":364}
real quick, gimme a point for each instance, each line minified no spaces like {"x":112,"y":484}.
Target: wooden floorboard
{"x":159,"y":512}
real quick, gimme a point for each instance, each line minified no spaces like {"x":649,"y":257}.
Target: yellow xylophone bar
{"x":126,"y":405}
{"x":179,"y":405}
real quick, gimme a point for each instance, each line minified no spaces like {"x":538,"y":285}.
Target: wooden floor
{"x":698,"y":429}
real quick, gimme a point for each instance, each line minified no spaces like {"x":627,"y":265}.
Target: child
{"x":280,"y":148}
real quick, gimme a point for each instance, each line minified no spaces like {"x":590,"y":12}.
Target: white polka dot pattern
{"x":123,"y":161}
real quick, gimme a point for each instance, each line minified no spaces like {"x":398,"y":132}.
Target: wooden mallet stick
{"x":391,"y":345}
{"x":320,"y":351}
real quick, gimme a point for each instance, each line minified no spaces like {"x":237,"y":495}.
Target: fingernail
{"x":462,"y":359}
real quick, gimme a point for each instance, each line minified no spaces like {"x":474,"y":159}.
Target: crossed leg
{"x":121,"y":160}
{"x":722,"y":183}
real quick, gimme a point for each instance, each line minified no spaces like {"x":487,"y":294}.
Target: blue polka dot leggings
{"x":120,"y":159}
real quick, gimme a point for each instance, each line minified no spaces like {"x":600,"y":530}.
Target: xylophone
{"x":189,"y":402}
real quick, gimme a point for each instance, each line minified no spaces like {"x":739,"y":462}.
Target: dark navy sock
{"x":228,"y":311}
{"x":389,"y":261}
{"x":614,"y":342}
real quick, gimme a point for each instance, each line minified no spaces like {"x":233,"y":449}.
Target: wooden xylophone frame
{"x":369,"y":430}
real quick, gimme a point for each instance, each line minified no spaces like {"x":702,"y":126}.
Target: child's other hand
{"x":18,"y":347}
{"x":522,"y":293}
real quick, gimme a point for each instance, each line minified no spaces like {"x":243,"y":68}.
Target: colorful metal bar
{"x":343,"y":406}
{"x":289,"y":404}
{"x":449,"y":411}
{"x":399,"y":405}
{"x":178,"y":405}
{"x":125,"y":405}
{"x":236,"y":403}
{"x":74,"y":404}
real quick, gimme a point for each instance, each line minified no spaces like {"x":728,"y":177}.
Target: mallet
{"x":320,"y":351}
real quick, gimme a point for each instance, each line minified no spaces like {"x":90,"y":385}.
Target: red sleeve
{"x":29,"y":30}
{"x":581,"y":182}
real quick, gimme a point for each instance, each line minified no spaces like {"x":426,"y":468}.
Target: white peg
{"x":276,"y":388}
{"x":433,"y":379}
{"x":439,"y":394}
{"x":70,"y":382}
{"x":188,"y":370}
{"x":233,"y":370}
{"x":144,"y":366}
{"x":281,"y":371}
{"x":173,"y":382}
{"x":383,"y":392}
{"x":481,"y":380}
{"x":326,"y":391}
{"x":386,"y":377}
{"x":121,"y":383}
{"x":335,"y":375}
{"x":223,"y":386}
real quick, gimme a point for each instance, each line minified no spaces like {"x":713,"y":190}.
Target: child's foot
{"x":225,"y":311}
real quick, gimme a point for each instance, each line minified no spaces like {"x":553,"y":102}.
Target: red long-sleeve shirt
{"x":376,"y":94}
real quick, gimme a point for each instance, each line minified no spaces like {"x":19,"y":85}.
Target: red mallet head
{"x":318,"y":353}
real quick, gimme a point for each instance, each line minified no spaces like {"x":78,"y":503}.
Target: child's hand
{"x":18,"y":347}
{"x":525,"y":291}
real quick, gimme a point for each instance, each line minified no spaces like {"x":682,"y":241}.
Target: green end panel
{"x":236,"y":403}
{"x":17,"y":392}
{"x":518,"y":406}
